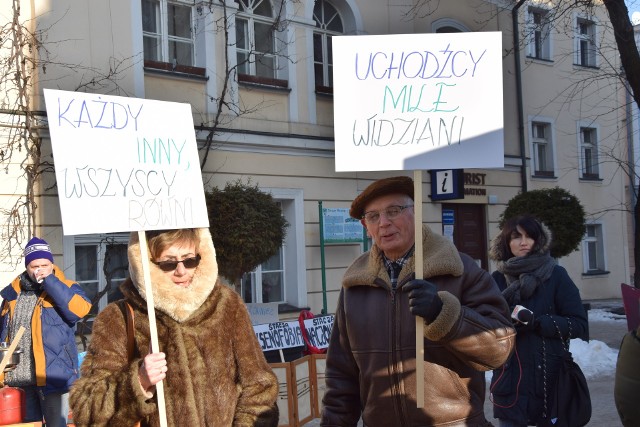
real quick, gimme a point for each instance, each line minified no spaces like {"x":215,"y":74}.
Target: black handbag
{"x":569,"y":403}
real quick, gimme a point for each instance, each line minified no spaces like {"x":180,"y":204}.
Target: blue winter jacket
{"x":518,"y":387}
{"x":60,"y":306}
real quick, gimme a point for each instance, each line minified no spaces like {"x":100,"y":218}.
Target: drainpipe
{"x":516,"y":57}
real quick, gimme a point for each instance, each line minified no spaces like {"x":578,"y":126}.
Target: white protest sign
{"x":279,"y":335}
{"x":418,"y":101}
{"x":124,"y":164}
{"x":266,"y":312}
{"x":319,"y":330}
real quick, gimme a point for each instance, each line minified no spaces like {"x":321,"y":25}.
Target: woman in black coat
{"x":529,"y":277}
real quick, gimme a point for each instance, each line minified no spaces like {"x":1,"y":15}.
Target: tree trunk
{"x":630,"y":59}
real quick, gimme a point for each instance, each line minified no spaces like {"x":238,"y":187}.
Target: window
{"x":539,"y":34}
{"x":589,"y":153}
{"x":256,"y":42}
{"x":585,"y":43}
{"x":542,"y":149}
{"x":593,"y":250}
{"x":328,"y":23}
{"x":265,"y":283}
{"x":448,"y":25}
{"x":167,"y":29}
{"x":99,"y":264}
{"x":282,"y":278}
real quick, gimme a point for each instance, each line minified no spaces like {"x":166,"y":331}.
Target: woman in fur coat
{"x":214,"y":371}
{"x":529,"y":277}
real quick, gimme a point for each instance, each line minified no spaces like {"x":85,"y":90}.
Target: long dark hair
{"x":534,"y":229}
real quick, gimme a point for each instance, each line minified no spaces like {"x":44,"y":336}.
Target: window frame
{"x":293,"y":249}
{"x":549,"y":140}
{"x":326,"y":63}
{"x":101,"y":240}
{"x":278,"y":77}
{"x":594,"y":164}
{"x":589,"y":58}
{"x":595,"y":243}
{"x":448,"y":25}
{"x":539,"y":44}
{"x":165,"y":39}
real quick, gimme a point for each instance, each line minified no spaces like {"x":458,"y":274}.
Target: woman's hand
{"x":152,"y":370}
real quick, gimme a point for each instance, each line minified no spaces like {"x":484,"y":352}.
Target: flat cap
{"x":381,"y":187}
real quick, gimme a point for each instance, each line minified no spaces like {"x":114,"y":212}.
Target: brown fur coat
{"x":217,"y":374}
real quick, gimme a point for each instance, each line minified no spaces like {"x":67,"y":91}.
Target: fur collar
{"x":439,"y":254}
{"x":176,"y":302}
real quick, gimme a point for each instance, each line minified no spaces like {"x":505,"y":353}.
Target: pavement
{"x":601,"y":388}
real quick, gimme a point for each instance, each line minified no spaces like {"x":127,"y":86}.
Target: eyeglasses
{"x":167,"y":266}
{"x":373,"y":217}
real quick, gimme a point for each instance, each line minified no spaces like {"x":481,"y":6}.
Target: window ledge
{"x":167,"y":69}
{"x":263,"y":82}
{"x":324,"y":90}
{"x":591,"y":67}
{"x":284,"y":308}
{"x":596,"y":273}
{"x":594,"y":178}
{"x":538,"y":59}
{"x":543,"y":175}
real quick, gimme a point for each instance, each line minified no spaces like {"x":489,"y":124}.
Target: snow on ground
{"x":595,"y":357}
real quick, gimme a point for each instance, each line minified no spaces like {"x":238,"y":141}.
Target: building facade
{"x":258,"y":77}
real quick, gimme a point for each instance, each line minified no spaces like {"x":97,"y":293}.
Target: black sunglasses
{"x":172,"y":265}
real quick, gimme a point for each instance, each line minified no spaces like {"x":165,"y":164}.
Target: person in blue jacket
{"x":530,"y":279}
{"x":48,"y":306}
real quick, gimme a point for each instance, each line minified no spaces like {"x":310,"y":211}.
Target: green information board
{"x":339,"y":227}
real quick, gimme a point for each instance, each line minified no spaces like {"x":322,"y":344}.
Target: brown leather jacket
{"x":370,"y":371}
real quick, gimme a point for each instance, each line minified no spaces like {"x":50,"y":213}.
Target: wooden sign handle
{"x":155,"y":347}
{"x":419,"y":270}
{"x":11,"y":349}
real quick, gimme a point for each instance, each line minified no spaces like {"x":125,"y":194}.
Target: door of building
{"x":470,"y":230}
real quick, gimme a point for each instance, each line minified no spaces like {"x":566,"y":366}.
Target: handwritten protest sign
{"x":319,"y":330}
{"x":266,"y":312}
{"x":281,"y":335}
{"x":132,"y":163}
{"x":126,"y":164}
{"x":418,"y":101}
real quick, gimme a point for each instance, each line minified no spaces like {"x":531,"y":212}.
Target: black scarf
{"x":27,"y":284}
{"x":524,"y":274}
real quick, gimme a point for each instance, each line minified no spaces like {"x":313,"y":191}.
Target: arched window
{"x":448,"y":25}
{"x":255,"y":38}
{"x":328,"y":23}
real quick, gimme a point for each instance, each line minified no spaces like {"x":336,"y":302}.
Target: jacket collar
{"x":440,"y":258}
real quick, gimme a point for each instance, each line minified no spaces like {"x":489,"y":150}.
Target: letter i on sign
{"x":445,"y":181}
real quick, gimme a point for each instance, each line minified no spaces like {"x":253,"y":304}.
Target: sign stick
{"x":419,"y":270}
{"x":155,"y":348}
{"x":12,"y":348}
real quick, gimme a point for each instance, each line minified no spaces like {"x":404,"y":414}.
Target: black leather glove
{"x":423,"y":299}
{"x":527,"y":316}
{"x":530,"y":326}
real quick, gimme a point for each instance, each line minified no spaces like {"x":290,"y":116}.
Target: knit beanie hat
{"x":37,"y":249}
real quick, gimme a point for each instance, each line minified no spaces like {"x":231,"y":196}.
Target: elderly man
{"x":47,"y":306}
{"x":371,"y":360}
